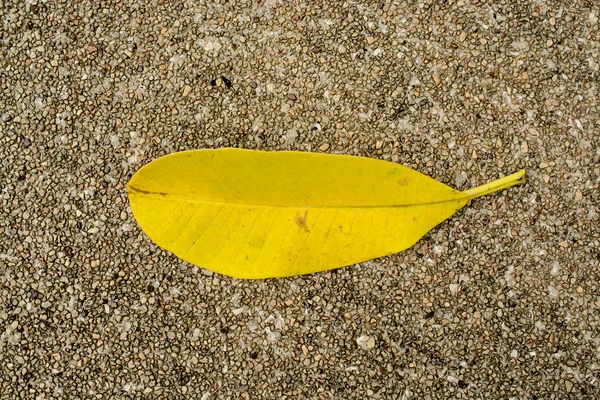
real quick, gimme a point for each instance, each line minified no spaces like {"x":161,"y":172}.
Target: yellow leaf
{"x":251,"y":214}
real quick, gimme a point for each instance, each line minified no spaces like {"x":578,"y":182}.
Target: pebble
{"x":568,"y":386}
{"x":454,"y":288}
{"x":365,"y":342}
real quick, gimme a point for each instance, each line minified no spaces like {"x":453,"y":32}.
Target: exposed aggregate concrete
{"x":500,"y":301}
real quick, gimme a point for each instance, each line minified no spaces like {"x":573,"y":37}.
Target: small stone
{"x":341,"y":49}
{"x":186,"y":90}
{"x":46,"y":304}
{"x":371,"y":343}
{"x":524,"y":147}
{"x":568,"y":386}
{"x":324,"y":147}
{"x":366,"y":342}
{"x":454,"y":287}
{"x":546,"y":178}
{"x":578,"y":195}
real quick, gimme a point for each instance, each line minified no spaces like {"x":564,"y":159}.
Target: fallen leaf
{"x":251,"y":214}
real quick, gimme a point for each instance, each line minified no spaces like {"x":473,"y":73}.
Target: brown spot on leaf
{"x":141,"y":191}
{"x":401,"y":182}
{"x":301,"y":221}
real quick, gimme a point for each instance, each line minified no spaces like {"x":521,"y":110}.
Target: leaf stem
{"x":515,"y":179}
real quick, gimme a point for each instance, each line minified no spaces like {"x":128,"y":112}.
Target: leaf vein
{"x":326,"y":237}
{"x":248,"y":234}
{"x":203,"y":232}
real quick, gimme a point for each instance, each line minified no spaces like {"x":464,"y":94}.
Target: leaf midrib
{"x":172,"y":197}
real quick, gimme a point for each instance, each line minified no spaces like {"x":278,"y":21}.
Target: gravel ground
{"x":500,"y":301}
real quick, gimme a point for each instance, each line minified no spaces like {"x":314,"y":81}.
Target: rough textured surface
{"x":501,"y":301}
